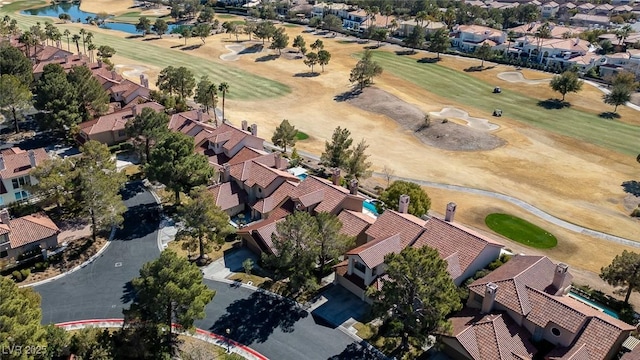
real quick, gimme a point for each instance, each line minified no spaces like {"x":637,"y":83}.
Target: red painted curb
{"x":199,"y":331}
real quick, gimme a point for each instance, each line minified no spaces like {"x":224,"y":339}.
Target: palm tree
{"x":56,"y":36}
{"x":91,"y":47}
{"x":76,"y":39}
{"x":421,"y":16}
{"x":212,"y":90}
{"x":89,"y":38}
{"x":623,"y":33}
{"x":28,"y":39}
{"x":543,"y":32}
{"x":511,"y":35}
{"x":67,"y":33}
{"x":387,"y":11}
{"x":224,"y":89}
{"x":83,"y":32}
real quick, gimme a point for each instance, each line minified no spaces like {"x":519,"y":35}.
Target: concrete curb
{"x":84,"y":264}
{"x":212,"y":338}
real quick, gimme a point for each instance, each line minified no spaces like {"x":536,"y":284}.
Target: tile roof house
{"x":110,"y":129}
{"x":532,"y":292}
{"x":26,"y":233}
{"x":557,"y":31}
{"x":67,"y":62}
{"x":549,"y":9}
{"x":469,"y":37}
{"x":464,"y":250}
{"x":15,"y":166}
{"x":551,"y":51}
{"x":590,"y":20}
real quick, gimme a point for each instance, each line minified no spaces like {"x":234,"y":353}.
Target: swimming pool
{"x":369,"y":205}
{"x":595,"y":305}
{"x":301,"y":176}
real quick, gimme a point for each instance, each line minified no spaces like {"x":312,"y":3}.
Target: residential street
{"x":274,"y":327}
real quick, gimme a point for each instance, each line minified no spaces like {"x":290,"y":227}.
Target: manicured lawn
{"x":301,"y":136}
{"x":291,"y":25}
{"x":134,"y":18}
{"x":243,"y":85}
{"x":521,"y":231}
{"x":465,"y":89}
{"x":225,"y":16}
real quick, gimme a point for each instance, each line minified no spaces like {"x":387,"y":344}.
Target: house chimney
{"x":335,"y":176}
{"x":560,"y":275}
{"x":146,"y":83}
{"x":451,"y":212}
{"x":99,"y":64}
{"x":353,"y":187}
{"x":278,"y":160}
{"x":226,"y":172}
{"x":142,"y":79}
{"x":254,"y":129}
{"x":199,"y":112}
{"x":2,"y":162}
{"x":134,"y":110}
{"x":403,"y":204}
{"x":244,"y":125}
{"x":68,"y":59}
{"x":32,"y":158}
{"x":4,"y":217}
{"x":489,"y":299}
{"x":114,"y":75}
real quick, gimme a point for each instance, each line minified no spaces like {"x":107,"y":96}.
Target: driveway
{"x":273,"y":326}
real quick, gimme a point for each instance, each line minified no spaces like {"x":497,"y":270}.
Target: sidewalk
{"x":167,"y":231}
{"x":218,"y":340}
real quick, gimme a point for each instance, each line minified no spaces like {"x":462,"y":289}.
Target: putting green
{"x":521,"y":231}
{"x":465,"y":89}
{"x":243,"y":85}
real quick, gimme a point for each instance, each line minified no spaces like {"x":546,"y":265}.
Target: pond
{"x":78,"y":15}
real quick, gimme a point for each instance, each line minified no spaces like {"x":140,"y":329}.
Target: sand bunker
{"x":445,"y":135}
{"x":517,"y":77}
{"x":237,"y":50}
{"x":476,"y":123}
{"x":133,"y":71}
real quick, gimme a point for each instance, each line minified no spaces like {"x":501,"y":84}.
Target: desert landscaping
{"x":571,"y":170}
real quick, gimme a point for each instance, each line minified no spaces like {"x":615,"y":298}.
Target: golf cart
{"x":497,"y":90}
{"x":497,"y":112}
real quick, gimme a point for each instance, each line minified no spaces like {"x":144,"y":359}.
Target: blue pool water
{"x":595,"y":305}
{"x":76,"y":14}
{"x":302,"y":176}
{"x":370,"y":206}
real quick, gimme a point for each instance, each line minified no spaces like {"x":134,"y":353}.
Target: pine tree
{"x":284,"y":135}
{"x":147,"y":129}
{"x":419,"y":202}
{"x":14,"y":96}
{"x":280,"y":40}
{"x":357,"y":165}
{"x":624,"y":271}
{"x":337,"y":152}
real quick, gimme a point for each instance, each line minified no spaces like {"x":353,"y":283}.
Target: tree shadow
{"x":405,"y":52}
{"x":609,"y":115}
{"x":133,"y":37}
{"x":632,"y":187}
{"x":131,"y":189}
{"x":347,"y":95}
{"x":256,"y":48}
{"x":308,"y":31}
{"x":478,"y":68}
{"x":428,"y":60}
{"x":359,"y":351}
{"x":139,"y":221}
{"x":306,"y":74}
{"x":177,"y":46}
{"x":128,"y":293}
{"x":553,"y":104}
{"x":255,"y":318}
{"x":151,"y":39}
{"x":191,"y":47}
{"x":372,"y":47}
{"x":267,"y":58}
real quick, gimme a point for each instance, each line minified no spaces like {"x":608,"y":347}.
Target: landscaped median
{"x":521,"y":231}
{"x":202,"y":335}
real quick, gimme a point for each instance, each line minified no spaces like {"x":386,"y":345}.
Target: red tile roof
{"x":373,"y":252}
{"x":31,"y":228}
{"x":392,"y":222}
{"x":455,"y":243}
{"x":595,"y":342}
{"x":116,"y":121}
{"x":228,"y":195}
{"x":491,"y":337}
{"x":74,"y":60}
{"x":17,"y":162}
{"x":332,"y":195}
{"x":254,"y":173}
{"x":276,"y":198}
{"x":354,"y":223}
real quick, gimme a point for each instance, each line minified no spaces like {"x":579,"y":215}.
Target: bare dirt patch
{"x":517,"y":77}
{"x":442,"y":134}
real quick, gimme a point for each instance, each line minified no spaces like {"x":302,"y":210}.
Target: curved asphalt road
{"x":274,"y":327}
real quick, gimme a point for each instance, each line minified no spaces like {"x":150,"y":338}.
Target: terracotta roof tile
{"x":274,"y":200}
{"x":31,"y":228}
{"x":18,"y":163}
{"x":353,"y":222}
{"x":594,"y":343}
{"x":454,"y":242}
{"x":373,"y":252}
{"x":491,"y":337}
{"x":228,"y":195}
{"x":116,"y":121}
{"x":392,"y":222}
{"x":333,"y":195}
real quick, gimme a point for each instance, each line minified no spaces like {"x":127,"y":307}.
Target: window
{"x":21,"y":181}
{"x":4,"y":254}
{"x":21,"y":195}
{"x":555,"y":331}
{"x":360,"y":266}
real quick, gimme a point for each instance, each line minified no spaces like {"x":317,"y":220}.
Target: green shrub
{"x":41,"y":266}
{"x":636,"y":212}
{"x":17,"y":276}
{"x":25,"y":273}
